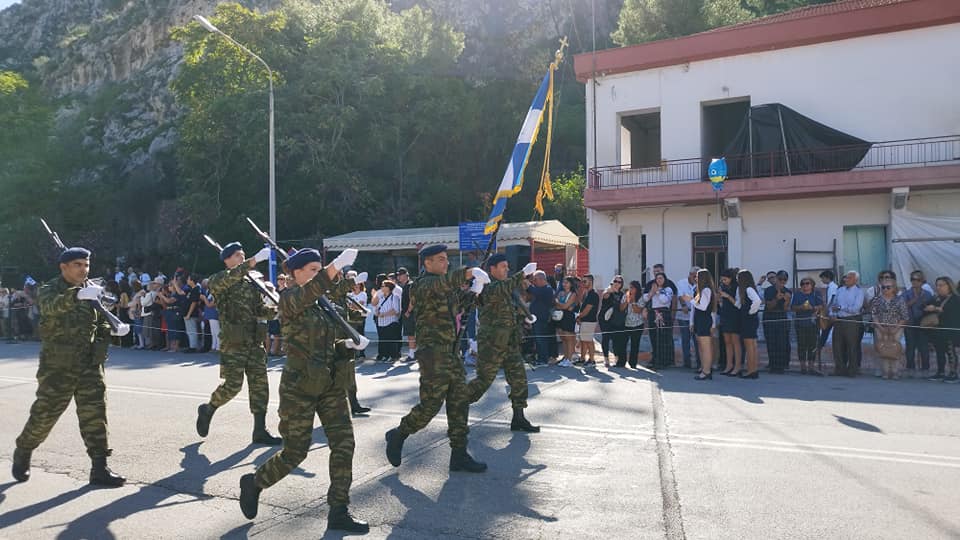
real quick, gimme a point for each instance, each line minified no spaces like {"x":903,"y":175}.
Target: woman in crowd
{"x":387,"y":312}
{"x":730,"y":321}
{"x":135,"y":314}
{"x":611,"y":322}
{"x":660,"y":322}
{"x":123,"y":307}
{"x":942,"y":319}
{"x":566,"y":327}
{"x":806,"y":305}
{"x":704,"y":306}
{"x":775,"y":323}
{"x":587,"y":319}
{"x":171,"y":316}
{"x":749,"y":323}
{"x":889,"y":314}
{"x":358,"y":295}
{"x":633,"y":324}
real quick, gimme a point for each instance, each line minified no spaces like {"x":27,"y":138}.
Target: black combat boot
{"x":204,"y":415}
{"x":460,"y":460}
{"x":341,"y":520}
{"x":101,"y":475}
{"x":260,"y":433}
{"x":21,"y":465}
{"x":395,"y":446}
{"x":249,"y":496}
{"x":520,"y":423}
{"x":355,"y":406}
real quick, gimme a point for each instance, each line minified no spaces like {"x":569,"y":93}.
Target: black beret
{"x":302,"y":258}
{"x":430,"y":251}
{"x":74,"y":253}
{"x":229,"y":250}
{"x":495,"y":259}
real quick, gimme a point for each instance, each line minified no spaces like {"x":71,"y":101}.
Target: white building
{"x":887,"y":72}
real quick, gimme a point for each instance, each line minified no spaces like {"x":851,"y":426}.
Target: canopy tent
{"x":775,"y":140}
{"x":550,"y":234}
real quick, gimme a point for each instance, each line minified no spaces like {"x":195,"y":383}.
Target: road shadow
{"x":857,"y":424}
{"x":21,"y":514}
{"x":472,"y":505}
{"x":190,"y":480}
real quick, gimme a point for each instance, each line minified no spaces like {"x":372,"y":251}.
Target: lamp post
{"x":273,"y":184}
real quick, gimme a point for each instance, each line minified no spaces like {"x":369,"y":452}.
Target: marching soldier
{"x":499,"y":340}
{"x":442,"y":377}
{"x":356,"y":318}
{"x":73,"y":350}
{"x":242,"y":335}
{"x":314,"y":382}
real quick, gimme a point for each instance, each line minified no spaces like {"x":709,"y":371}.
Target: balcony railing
{"x":881,"y":155}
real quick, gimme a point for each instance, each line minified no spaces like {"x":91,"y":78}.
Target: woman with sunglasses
{"x":611,"y":322}
{"x":889,"y":314}
{"x":806,"y":305}
{"x":944,"y":334}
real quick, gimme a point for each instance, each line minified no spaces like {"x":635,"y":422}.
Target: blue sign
{"x":472,"y":237}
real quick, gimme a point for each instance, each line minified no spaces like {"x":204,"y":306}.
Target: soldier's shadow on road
{"x":189,"y":481}
{"x":16,"y":516}
{"x":475,"y":502}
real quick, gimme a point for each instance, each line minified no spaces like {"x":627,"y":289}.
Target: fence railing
{"x":880,"y":155}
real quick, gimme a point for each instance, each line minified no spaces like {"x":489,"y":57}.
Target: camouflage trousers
{"x":251,"y":362}
{"x":496,"y":350}
{"x":297,"y":409}
{"x":442,"y":379}
{"x":66,"y":375}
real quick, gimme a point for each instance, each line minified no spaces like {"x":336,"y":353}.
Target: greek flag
{"x":512,"y":181}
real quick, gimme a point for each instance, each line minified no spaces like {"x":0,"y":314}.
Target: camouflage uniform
{"x":442,"y":377}
{"x":242,"y":333}
{"x":74,"y":345}
{"x":314,"y":382}
{"x":498,"y":342}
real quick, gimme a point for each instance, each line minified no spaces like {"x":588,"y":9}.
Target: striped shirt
{"x":387,"y":304}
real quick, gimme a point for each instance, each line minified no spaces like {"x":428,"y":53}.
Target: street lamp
{"x":273,"y":184}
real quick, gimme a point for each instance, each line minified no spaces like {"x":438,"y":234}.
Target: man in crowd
{"x":916,"y":297}
{"x":847,"y":309}
{"x":541,"y":306}
{"x":687,"y":289}
{"x":407,"y":320}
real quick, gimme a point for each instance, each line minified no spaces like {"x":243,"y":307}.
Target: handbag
{"x":557,"y":315}
{"x":930,"y":320}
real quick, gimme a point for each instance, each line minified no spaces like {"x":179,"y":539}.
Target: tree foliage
{"x":649,"y":20}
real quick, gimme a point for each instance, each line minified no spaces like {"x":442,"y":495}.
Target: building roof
{"x":803,"y":26}
{"x":550,"y":233}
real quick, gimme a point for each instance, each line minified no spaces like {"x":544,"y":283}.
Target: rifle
{"x":117,"y":326}
{"x":323,"y":301}
{"x":257,"y":280}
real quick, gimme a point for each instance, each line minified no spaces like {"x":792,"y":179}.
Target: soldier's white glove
{"x":529,"y":268}
{"x":345,"y":259}
{"x":262,"y":255}
{"x":122,"y":330}
{"x":531,"y":319}
{"x":90,"y":292}
{"x":361,"y":277}
{"x":480,"y":276}
{"x":477,"y":287}
{"x":364,"y":342}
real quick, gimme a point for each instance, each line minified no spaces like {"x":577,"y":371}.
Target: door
{"x":865,"y":250}
{"x":710,"y":252}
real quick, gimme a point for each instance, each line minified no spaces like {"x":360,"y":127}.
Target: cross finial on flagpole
{"x":558,"y":56}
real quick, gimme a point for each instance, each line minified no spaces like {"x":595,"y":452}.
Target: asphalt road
{"x":623,"y":454}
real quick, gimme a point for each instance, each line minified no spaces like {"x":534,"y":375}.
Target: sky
{"x":5,"y":3}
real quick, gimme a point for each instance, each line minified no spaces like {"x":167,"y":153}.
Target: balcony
{"x":920,"y":163}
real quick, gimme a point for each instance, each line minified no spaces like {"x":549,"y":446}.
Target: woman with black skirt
{"x":730,"y":321}
{"x":704,"y":305}
{"x":749,"y":321}
{"x":660,"y":322}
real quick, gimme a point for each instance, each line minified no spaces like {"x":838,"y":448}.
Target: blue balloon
{"x":718,"y":169}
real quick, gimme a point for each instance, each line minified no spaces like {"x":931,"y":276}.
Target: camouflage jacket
{"x":312,"y":337}
{"x":241,"y":309}
{"x":435,"y":299}
{"x":498,"y":309}
{"x":67,"y":323}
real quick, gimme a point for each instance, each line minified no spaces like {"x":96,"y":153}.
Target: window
{"x":710,"y":251}
{"x":640,"y":140}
